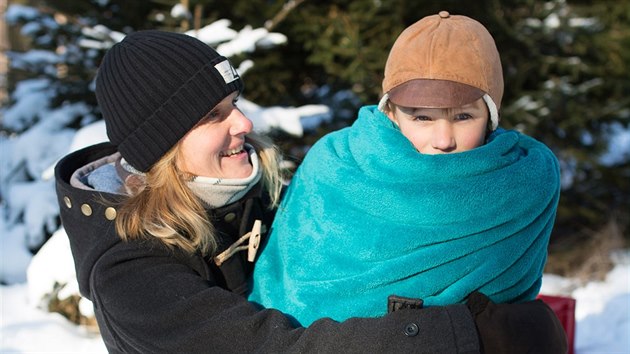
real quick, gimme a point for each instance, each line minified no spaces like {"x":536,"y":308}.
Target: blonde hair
{"x":165,"y":208}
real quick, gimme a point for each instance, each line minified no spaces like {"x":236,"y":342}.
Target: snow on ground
{"x":602,"y":309}
{"x":27,"y":329}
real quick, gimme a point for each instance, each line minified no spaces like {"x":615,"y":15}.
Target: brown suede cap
{"x":443,"y":61}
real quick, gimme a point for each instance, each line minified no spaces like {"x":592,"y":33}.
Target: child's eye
{"x":463,"y":116}
{"x":422,"y":118}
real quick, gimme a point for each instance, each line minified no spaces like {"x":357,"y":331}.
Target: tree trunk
{"x":4,"y":47}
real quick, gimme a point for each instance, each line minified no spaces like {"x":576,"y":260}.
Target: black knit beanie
{"x":154,"y":86}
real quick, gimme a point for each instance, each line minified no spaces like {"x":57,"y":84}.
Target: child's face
{"x":443,"y":130}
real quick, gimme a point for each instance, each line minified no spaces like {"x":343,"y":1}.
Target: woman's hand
{"x":529,"y":327}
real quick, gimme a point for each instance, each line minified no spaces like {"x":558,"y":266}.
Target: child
{"x":422,"y":197}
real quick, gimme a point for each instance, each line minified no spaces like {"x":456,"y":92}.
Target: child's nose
{"x":443,"y":138}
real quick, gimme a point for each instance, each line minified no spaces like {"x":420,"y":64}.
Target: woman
{"x":164,"y":222}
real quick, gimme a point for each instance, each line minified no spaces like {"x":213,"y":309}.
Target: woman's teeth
{"x":232,"y":152}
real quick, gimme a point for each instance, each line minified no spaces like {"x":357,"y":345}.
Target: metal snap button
{"x":110,"y":213}
{"x":68,"y":202}
{"x":86,"y":209}
{"x":229,"y":217}
{"x":411,"y":330}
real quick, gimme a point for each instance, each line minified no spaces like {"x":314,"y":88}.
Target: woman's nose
{"x":443,"y":138}
{"x":240,"y":124}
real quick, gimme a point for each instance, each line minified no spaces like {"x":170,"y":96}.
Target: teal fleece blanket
{"x":367,"y":216}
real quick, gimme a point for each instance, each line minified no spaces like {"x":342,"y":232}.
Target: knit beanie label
{"x":226,"y":70}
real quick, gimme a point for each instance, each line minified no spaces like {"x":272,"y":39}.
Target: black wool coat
{"x":151,"y":299}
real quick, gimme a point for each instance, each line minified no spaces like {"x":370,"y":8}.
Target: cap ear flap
{"x":382,"y":104}
{"x":494,"y":113}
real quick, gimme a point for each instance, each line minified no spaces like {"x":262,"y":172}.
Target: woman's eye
{"x":211,"y":116}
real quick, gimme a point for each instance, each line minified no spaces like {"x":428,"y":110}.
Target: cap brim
{"x":434,"y":94}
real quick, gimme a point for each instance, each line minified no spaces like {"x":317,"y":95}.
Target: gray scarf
{"x":218,"y":192}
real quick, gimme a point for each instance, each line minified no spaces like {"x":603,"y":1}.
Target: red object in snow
{"x":564,"y":308}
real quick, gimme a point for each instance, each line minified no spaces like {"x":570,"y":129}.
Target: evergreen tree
{"x":566,"y":68}
{"x":565,"y":65}
{"x":567,"y":84}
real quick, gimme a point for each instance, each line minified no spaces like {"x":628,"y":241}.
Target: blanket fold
{"x":367,"y":216}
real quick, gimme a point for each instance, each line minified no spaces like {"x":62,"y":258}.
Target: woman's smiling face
{"x":214,"y":147}
{"x":443,"y":130}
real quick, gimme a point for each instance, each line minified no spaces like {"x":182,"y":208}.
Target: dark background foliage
{"x":567,"y":84}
